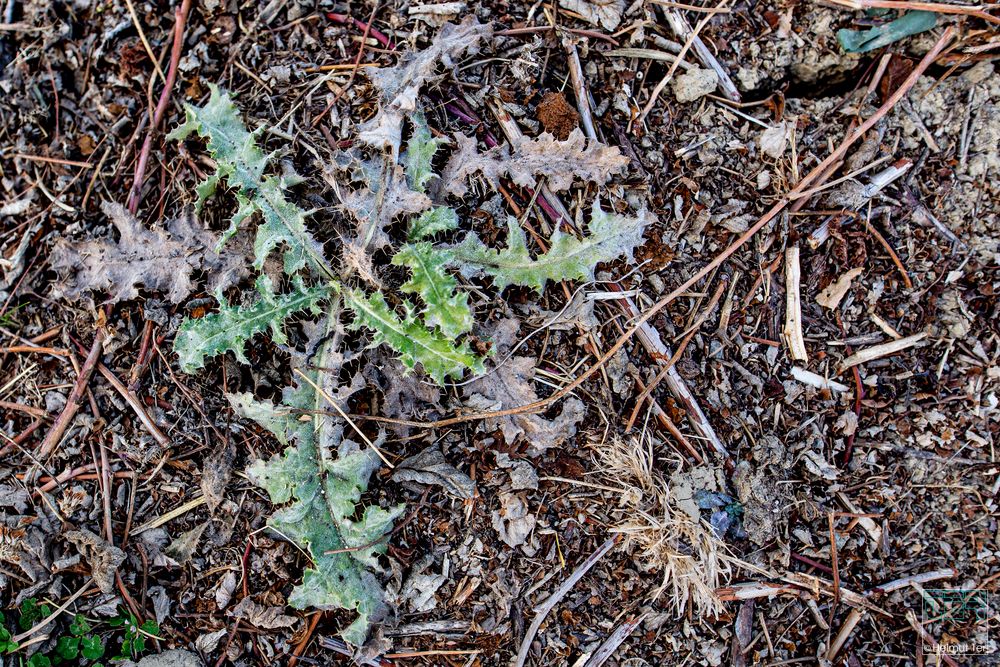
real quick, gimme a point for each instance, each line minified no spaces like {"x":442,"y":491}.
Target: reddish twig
{"x":161,"y":107}
{"x":361,"y":25}
{"x":23,"y":437}
{"x":135,"y":404}
{"x":811,"y":563}
{"x":300,"y":648}
{"x":26,"y":409}
{"x":344,"y":88}
{"x":73,"y":402}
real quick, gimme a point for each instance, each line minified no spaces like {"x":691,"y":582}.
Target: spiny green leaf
{"x":432,"y":221}
{"x":242,"y":163}
{"x":420,"y":150}
{"x":444,"y":307}
{"x":439,"y":356}
{"x":568,"y":258}
{"x":322,"y":476}
{"x":231,"y":327}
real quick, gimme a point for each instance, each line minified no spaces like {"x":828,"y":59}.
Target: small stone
{"x":979,"y":72}
{"x":774,"y":140}
{"x":695,"y":84}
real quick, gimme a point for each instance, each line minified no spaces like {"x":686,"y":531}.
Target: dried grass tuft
{"x":693,"y":561}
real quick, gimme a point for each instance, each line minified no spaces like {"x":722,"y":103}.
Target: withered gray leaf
{"x":560,"y":162}
{"x":261,"y":616}
{"x":374,"y":194}
{"x":216,"y":473}
{"x":430,"y":467}
{"x":510,"y":386}
{"x":513,"y":521}
{"x":104,"y":558}
{"x":399,"y":86}
{"x":184,"y":546}
{"x":405,"y":396}
{"x":157,"y":259}
{"x":605,"y":13}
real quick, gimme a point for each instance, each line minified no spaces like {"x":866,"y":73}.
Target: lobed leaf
{"x":419,"y":156}
{"x":568,"y":258}
{"x":444,"y":307}
{"x":560,"y":162}
{"x":320,"y":478}
{"x":229,"y":329}
{"x":242,"y":163}
{"x":439,"y":356}
{"x":158,"y":259}
{"x":430,"y":222}
{"x":400,"y":86}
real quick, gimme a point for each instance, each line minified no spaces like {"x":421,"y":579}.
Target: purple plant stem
{"x":377,"y":35}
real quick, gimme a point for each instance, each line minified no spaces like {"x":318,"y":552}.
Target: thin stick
{"x":73,"y":402}
{"x":846,"y":629}
{"x":542,"y":610}
{"x":350,"y":80}
{"x":883,"y":350}
{"x":26,"y":409}
{"x":53,"y":160}
{"x":673,"y":67}
{"x":913,"y":5}
{"x":31,"y":349}
{"x":580,"y":90}
{"x":54,"y":615}
{"x":892,"y":255}
{"x":665,"y":369}
{"x":142,"y":38}
{"x":161,"y":106}
{"x":329,"y":399}
{"x":911,"y":618}
{"x":682,"y":29}
{"x":793,"y":306}
{"x":614,"y":640}
{"x":531,"y":30}
{"x":921,"y":578}
{"x":301,"y":646}
{"x":691,"y":8}
{"x":136,"y":406}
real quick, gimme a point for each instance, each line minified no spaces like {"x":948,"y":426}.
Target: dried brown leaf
{"x":261,"y":616}
{"x":216,"y":473}
{"x":513,"y":521}
{"x":430,"y":467}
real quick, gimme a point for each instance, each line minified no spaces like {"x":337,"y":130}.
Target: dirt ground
{"x":791,"y":490}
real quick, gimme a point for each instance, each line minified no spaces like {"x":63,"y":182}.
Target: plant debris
{"x":580,"y":333}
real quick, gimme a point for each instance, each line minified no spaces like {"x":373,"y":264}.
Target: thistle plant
{"x":321,"y":475}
